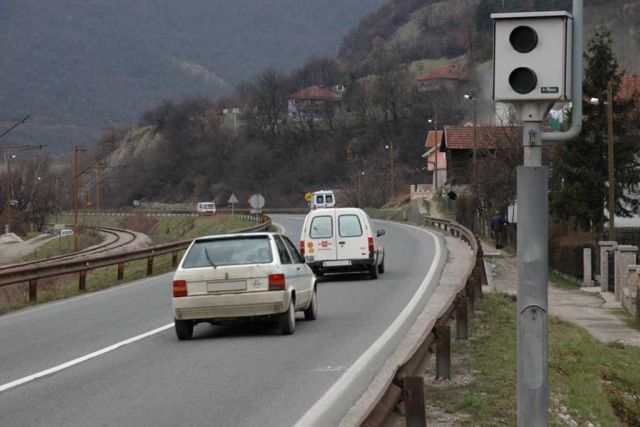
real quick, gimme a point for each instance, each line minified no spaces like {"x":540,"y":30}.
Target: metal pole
{"x":475,"y":141}
{"x":98,"y":193}
{"x":7,"y":197}
{"x":611,"y":167}
{"x":75,"y":198}
{"x":533,"y":384}
{"x":435,"y":145}
{"x":392,"y":171}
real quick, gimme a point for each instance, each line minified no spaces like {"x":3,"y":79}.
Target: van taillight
{"x":371,"y":250}
{"x":302,"y":247}
{"x":276,"y":282}
{"x":179,"y":288}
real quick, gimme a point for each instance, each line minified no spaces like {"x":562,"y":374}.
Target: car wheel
{"x":373,"y":272}
{"x":287,"y":320}
{"x":311,"y":313}
{"x":184,"y":329}
{"x":381,"y":267}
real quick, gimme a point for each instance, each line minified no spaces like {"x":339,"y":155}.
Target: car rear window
{"x":321,"y":227}
{"x":349,"y":226}
{"x":319,"y":199}
{"x":329,"y":198}
{"x":229,"y":251}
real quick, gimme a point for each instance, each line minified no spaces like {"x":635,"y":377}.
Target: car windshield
{"x":229,"y":251}
{"x":208,"y":206}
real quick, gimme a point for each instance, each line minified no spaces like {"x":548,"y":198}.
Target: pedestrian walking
{"x":497,"y":229}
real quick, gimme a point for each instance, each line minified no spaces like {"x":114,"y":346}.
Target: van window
{"x":321,"y":227}
{"x":349,"y":226}
{"x":319,"y":199}
{"x":329,"y":198}
{"x":282,"y":251}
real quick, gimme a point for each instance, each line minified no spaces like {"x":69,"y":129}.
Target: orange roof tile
{"x":629,"y":87}
{"x":487,"y":137}
{"x":316,"y":92}
{"x":431,"y":137}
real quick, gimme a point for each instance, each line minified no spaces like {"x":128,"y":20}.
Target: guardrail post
{"x":477,"y":280}
{"x":174,"y":259}
{"x":33,"y":290}
{"x":149,"y":266}
{"x":443,"y":351}
{"x":120,"y":271}
{"x":414,"y":402}
{"x":82,"y":284}
{"x":462,"y":318}
{"x":471,"y":293}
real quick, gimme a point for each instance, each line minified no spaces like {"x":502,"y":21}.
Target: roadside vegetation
{"x":591,"y":383}
{"x":161,"y":230}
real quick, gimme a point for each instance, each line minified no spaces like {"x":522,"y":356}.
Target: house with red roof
{"x":435,"y":155}
{"x":629,"y":87}
{"x":460,"y":144}
{"x":446,"y":77}
{"x":315,"y":103}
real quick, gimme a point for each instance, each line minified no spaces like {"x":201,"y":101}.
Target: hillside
{"x":420,"y":31}
{"x":80,"y":67}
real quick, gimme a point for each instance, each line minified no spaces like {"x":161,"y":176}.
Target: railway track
{"x":117,"y":238}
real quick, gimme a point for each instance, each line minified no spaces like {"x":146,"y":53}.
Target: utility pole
{"x":98,"y":192}
{"x":7,"y":192}
{"x":611,"y":167}
{"x":475,"y":139}
{"x":391,"y":164}
{"x":74,"y":198}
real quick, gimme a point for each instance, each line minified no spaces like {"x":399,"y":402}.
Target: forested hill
{"x":81,"y":66}
{"x":410,"y":31}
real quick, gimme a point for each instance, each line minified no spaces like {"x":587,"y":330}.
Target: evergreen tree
{"x":581,"y":164}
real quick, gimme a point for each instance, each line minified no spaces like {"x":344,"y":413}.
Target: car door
{"x":304,"y":275}
{"x":321,"y":240}
{"x":352,"y":237}
{"x":289,"y":270}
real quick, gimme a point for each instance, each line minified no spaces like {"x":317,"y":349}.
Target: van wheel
{"x":311,"y":313}
{"x":373,"y":272}
{"x":287,"y":320}
{"x":381,"y":267}
{"x":184,"y":329}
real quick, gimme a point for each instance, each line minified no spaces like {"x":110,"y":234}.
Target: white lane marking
{"x":337,"y":391}
{"x":82,"y":359}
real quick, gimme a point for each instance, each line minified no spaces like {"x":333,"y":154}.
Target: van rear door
{"x":321,"y":239}
{"x":352,"y":237}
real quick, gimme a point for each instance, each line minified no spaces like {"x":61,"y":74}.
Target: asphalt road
{"x":237,"y":375}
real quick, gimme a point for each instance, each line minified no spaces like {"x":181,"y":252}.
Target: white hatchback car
{"x":233,"y":276}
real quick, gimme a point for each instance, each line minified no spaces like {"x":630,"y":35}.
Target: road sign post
{"x":232,"y":201}
{"x":537,"y":61}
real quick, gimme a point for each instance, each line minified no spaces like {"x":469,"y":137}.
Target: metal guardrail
{"x":32,"y":273}
{"x":407,"y":383}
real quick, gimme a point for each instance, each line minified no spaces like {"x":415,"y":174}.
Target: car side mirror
{"x":380,"y":233}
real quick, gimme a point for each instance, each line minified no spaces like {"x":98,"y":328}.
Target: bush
{"x":565,"y":251}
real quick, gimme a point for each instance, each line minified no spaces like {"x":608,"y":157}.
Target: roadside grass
{"x":15,"y":297}
{"x":562,"y":282}
{"x":396,"y":214}
{"x":590,"y":382}
{"x":443,"y":208}
{"x":628,"y":318}
{"x":62,"y":245}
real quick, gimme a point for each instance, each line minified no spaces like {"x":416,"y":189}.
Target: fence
{"x":408,"y":380}
{"x":32,"y":273}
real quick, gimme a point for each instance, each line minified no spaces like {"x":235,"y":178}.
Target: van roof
{"x":337,"y":211}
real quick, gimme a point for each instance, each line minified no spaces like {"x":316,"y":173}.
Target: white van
{"x":206,"y":208}
{"x":341,"y":239}
{"x":322,"y":199}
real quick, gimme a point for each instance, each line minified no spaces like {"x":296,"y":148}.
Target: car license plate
{"x":240,"y":285}
{"x":336,"y":263}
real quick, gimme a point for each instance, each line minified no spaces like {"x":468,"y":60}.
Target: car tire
{"x":373,"y":272}
{"x":184,"y":329}
{"x":311,"y":313}
{"x":381,"y":267}
{"x":287,"y":320}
